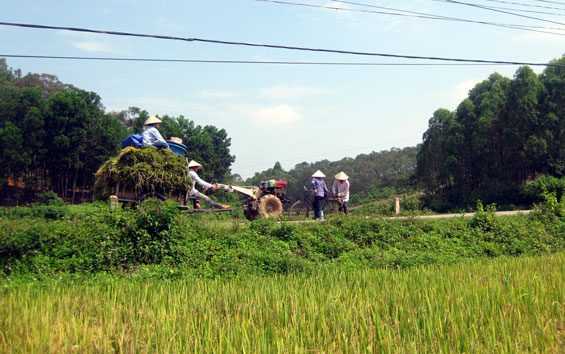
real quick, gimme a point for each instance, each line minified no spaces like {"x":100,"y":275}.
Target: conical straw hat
{"x":318,"y":174}
{"x":152,"y":120}
{"x":194,"y":164}
{"x":341,"y":176}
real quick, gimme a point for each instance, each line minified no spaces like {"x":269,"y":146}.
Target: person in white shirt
{"x":193,"y":168}
{"x":151,"y":135}
{"x":340,"y":189}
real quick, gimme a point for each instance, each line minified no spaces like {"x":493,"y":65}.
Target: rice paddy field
{"x":502,"y":305}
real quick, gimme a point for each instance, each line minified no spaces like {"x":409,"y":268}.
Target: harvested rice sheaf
{"x":143,"y":170}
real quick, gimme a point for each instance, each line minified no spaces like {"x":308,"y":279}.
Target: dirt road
{"x":442,"y":216}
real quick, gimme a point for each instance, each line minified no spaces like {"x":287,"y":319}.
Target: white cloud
{"x":94,"y":47}
{"x":453,"y":96}
{"x":289,"y":92}
{"x":167,"y":24}
{"x":281,"y":114}
{"x":211,"y":94}
{"x":153,"y":105}
{"x":461,"y":90}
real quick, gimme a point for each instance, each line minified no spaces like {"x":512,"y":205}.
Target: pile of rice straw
{"x":144,"y":170}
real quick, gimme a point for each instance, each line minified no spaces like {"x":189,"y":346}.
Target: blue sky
{"x":285,"y":113}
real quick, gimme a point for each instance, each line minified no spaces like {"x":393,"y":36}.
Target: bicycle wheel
{"x":331,"y":206}
{"x":298,"y":211}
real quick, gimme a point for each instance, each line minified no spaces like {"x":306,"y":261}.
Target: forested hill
{"x":367,"y":172}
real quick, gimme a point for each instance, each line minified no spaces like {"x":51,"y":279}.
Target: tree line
{"x":54,"y":136}
{"x":506,"y":133}
{"x":368,"y":173}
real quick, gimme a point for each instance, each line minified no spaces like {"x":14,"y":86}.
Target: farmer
{"x":193,"y":168}
{"x":151,"y":135}
{"x":320,"y":192}
{"x":340,"y":189}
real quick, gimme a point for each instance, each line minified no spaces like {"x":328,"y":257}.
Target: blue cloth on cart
{"x":135,"y":140}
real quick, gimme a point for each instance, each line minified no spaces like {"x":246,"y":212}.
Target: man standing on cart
{"x":193,"y":168}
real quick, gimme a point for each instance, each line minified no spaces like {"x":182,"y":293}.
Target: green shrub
{"x":484,"y":219}
{"x":49,"y":198}
{"x":159,"y":240}
{"x":534,"y":192}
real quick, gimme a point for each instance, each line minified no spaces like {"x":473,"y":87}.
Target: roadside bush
{"x":484,"y":219}
{"x":49,"y":198}
{"x":159,"y":240}
{"x":534,"y":192}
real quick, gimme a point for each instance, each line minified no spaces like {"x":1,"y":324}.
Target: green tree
{"x":432,"y":157}
{"x":553,"y":116}
{"x":522,"y":121}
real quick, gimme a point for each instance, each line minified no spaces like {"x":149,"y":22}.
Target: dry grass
{"x":504,"y":305}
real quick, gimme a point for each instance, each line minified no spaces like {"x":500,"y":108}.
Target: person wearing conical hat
{"x":151,"y":135}
{"x":320,"y":192}
{"x":193,"y":168}
{"x":340,"y":189}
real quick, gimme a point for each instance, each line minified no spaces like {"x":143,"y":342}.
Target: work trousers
{"x":205,"y":198}
{"x":317,"y":205}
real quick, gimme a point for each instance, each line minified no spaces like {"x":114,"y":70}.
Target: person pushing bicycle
{"x":340,"y":189}
{"x":320,"y":192}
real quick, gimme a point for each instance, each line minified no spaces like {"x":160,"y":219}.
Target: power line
{"x":209,"y":61}
{"x":522,"y":10}
{"x":275,"y":46}
{"x":439,"y":17}
{"x":551,"y":2}
{"x":527,"y":5}
{"x":406,"y":13}
{"x":504,"y":12}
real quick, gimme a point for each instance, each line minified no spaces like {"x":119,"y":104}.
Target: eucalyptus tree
{"x":552,"y":112}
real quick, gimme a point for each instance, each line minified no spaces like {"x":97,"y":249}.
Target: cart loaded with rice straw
{"x":140,"y":173}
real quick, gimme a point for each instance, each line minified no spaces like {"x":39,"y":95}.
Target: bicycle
{"x":303,"y":208}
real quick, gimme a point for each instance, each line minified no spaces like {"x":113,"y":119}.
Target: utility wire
{"x":439,"y":17}
{"x":275,"y":46}
{"x":421,"y":15}
{"x":551,"y":2}
{"x":504,"y":12}
{"x":521,"y":10}
{"x":527,"y":5}
{"x":208,"y":61}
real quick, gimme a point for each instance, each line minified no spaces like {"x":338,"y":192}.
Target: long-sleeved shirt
{"x":319,"y":185}
{"x":151,"y":136}
{"x":197,"y":180}
{"x":341,"y":189}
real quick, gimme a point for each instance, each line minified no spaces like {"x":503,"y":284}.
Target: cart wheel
{"x":270,"y":205}
{"x":298,"y":211}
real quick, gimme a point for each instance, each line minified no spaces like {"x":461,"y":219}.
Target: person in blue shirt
{"x":151,"y":135}
{"x":320,"y":192}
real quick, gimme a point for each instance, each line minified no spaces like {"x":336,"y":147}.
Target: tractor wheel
{"x":250,"y":214}
{"x":270,"y":205}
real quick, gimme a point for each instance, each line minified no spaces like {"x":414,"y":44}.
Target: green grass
{"x":499,"y":305}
